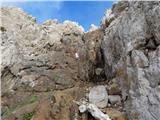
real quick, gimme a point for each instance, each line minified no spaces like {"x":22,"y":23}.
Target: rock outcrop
{"x":46,"y":67}
{"x":40,"y":57}
{"x":131,"y":49}
{"x":39,"y":60}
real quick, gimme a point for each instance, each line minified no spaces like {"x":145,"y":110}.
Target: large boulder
{"x":131,"y":49}
{"x":98,"y":96}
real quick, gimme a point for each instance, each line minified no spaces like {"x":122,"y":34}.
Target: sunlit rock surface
{"x":131,"y":48}
{"x":46,"y":67}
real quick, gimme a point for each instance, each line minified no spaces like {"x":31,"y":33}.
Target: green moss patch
{"x":28,"y":116}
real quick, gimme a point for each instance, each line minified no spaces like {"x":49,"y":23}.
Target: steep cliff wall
{"x":131,"y":48}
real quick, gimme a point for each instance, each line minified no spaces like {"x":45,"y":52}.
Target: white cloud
{"x":56,"y":4}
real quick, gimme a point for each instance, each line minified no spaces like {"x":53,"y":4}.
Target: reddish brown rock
{"x":11,"y":117}
{"x":116,"y":114}
{"x":43,"y":111}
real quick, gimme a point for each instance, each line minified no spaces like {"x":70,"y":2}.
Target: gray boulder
{"x":114,"y":99}
{"x":98,"y":96}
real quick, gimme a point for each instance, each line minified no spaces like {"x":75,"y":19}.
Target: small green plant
{"x":28,"y":116}
{"x":33,"y":99}
{"x":29,"y":100}
{"x":5,"y":113}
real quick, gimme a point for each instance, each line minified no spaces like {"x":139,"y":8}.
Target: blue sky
{"x":83,"y":12}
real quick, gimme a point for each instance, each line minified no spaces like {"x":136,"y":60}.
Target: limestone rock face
{"x":131,"y":49}
{"x":39,"y":60}
{"x":40,"y":57}
{"x":45,"y":67}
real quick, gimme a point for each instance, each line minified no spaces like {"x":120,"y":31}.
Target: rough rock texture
{"x":113,"y":99}
{"x":131,"y":49}
{"x":40,"y":57}
{"x":37,"y":59}
{"x":45,"y":67}
{"x":98,"y":96}
{"x":115,"y":114}
{"x":95,"y":62}
{"x":44,"y":61}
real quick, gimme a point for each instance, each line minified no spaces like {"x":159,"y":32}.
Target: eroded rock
{"x":40,"y":57}
{"x":116,"y":114}
{"x":131,"y":52}
{"x":98,"y":96}
{"x":55,"y":56}
{"x":114,"y":99}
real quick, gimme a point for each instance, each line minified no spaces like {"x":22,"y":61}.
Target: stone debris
{"x":114,"y":99}
{"x":98,"y":96}
{"x":116,"y":114}
{"x":93,"y":110}
{"x":114,"y":89}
